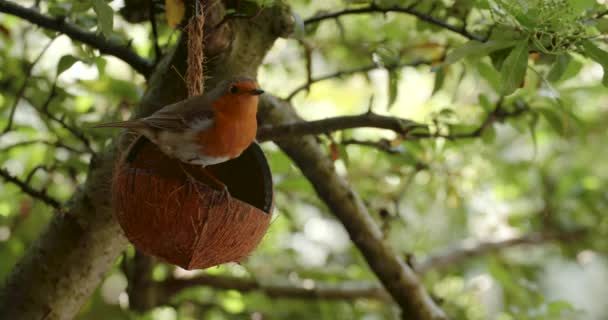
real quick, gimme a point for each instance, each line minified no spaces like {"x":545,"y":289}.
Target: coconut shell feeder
{"x":167,"y":210}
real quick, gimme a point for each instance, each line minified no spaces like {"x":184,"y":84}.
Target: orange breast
{"x":229,"y":136}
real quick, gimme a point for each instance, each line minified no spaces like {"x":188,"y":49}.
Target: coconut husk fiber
{"x":167,"y":210}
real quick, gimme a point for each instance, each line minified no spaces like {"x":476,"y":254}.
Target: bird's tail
{"x":134,"y":125}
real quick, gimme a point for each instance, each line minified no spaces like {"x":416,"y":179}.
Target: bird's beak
{"x":256,"y":92}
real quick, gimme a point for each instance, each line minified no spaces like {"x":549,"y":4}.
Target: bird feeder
{"x":167,"y":210}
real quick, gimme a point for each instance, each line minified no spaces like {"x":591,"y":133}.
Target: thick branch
{"x":369,"y":120}
{"x":344,"y":291}
{"x":374,"y":8}
{"x":104,"y":45}
{"x":407,"y":129}
{"x":452,"y":256}
{"x":397,"y":277}
{"x":59,"y":272}
{"x":26,"y":188}
{"x":342,"y":73}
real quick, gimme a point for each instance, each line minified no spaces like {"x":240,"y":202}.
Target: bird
{"x":206,"y":129}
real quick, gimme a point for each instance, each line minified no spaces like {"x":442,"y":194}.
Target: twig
{"x":21,"y":91}
{"x":374,"y":8}
{"x":383,"y":145}
{"x":360,"y":290}
{"x":30,"y":175}
{"x":104,"y":45}
{"x":56,"y":144}
{"x":452,"y":256}
{"x":497,"y":115}
{"x":361,"y":69}
{"x":368,"y":119}
{"x":234,"y":15}
{"x":322,"y":291}
{"x":158,"y":53}
{"x":308,"y":58}
{"x":26,"y":188}
{"x":44,"y":109}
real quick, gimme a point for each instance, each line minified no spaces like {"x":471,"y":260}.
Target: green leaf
{"x":101,"y":63}
{"x":514,"y":68}
{"x":458,"y":129}
{"x":573,"y":68}
{"x":65,"y":63}
{"x":602,"y":25}
{"x":344,"y":154}
{"x":556,"y":308}
{"x":598,"y":55}
{"x":447,"y":115}
{"x":475,"y":48}
{"x":105,"y":16}
{"x":485,"y":103}
{"x":559,"y":67}
{"x":532,"y":124}
{"x":439,"y":80}
{"x":488,"y":135}
{"x":393,"y":87}
{"x":299,"y":30}
{"x":386,"y":56}
{"x":489,"y":74}
{"x":581,"y":5}
{"x":498,"y":57}
{"x":554,"y":119}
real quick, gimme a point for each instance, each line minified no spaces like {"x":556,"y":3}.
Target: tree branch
{"x":44,"y":109}
{"x":374,"y":8}
{"x":360,"y":290}
{"x":397,"y":277}
{"x":369,"y":119}
{"x":157,"y":51}
{"x":344,"y":291}
{"x":406,"y":128}
{"x":26,"y":188}
{"x":452,"y":256}
{"x":56,"y":144}
{"x":28,"y":73}
{"x":361,"y":69}
{"x":497,"y":115}
{"x":383,"y":145}
{"x":104,"y":45}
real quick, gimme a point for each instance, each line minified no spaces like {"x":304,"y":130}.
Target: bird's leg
{"x":212,"y":181}
{"x":215,"y":183}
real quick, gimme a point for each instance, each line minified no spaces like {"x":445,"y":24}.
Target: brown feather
{"x":179,"y":115}
{"x":133,"y":124}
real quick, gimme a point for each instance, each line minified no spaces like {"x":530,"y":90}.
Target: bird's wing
{"x":181,"y":115}
{"x":131,"y":124}
{"x":175,"y":117}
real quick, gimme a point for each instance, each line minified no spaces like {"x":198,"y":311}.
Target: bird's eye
{"x":234,"y":89}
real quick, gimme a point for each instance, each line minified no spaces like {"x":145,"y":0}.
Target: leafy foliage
{"x":514,"y":146}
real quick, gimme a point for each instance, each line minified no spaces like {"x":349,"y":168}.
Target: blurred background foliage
{"x":517,"y":151}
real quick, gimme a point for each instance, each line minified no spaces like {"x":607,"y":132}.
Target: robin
{"x":204,"y":130}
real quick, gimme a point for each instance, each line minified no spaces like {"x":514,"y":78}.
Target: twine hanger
{"x":196,"y":57}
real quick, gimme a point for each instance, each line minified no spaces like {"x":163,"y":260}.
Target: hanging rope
{"x":194,"y":72}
